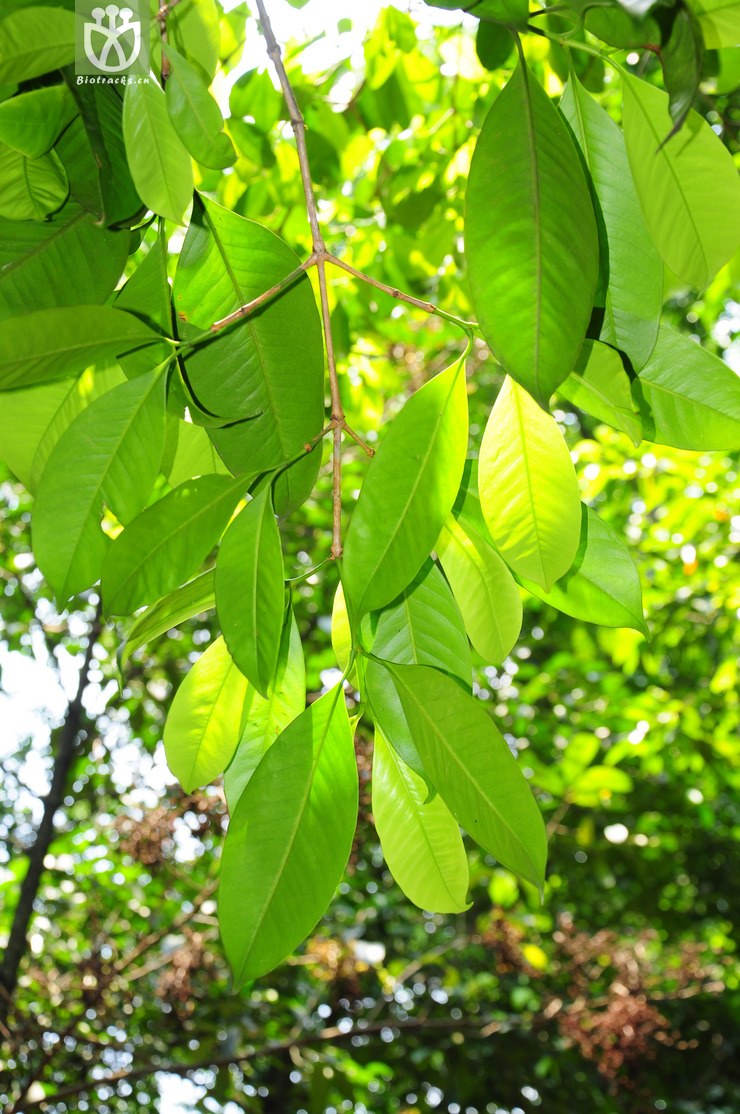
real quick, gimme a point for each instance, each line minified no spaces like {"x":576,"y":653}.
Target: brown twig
{"x":267,"y":296}
{"x":321,"y":255}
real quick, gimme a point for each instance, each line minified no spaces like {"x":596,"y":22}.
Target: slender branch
{"x":400,"y":295}
{"x":272,"y":1048}
{"x":267,"y":296}
{"x":319,"y":250}
{"x":67,"y":736}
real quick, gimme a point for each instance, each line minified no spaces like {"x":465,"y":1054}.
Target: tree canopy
{"x":369,"y":429}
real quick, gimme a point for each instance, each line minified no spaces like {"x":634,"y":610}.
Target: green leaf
{"x":473,"y":769}
{"x":184,"y":603}
{"x":160,"y":166}
{"x":110,"y":456}
{"x":253,"y":94}
{"x":689,"y":398}
{"x":147,"y":296}
{"x":528,"y":488}
{"x":32,"y":420}
{"x":422,"y":626}
{"x":66,"y":261}
{"x":600,"y":386}
{"x":719,"y":21}
{"x":250,"y":369}
{"x":510,"y":12}
{"x":202,"y":728}
{"x":531,"y":238}
{"x":59,"y":343}
{"x":485,"y":590}
{"x":408,"y":492}
{"x":263,"y":718}
{"x":603,"y":585}
{"x":193,"y":29}
{"x":195,"y":115}
{"x":682,"y":58}
{"x":421,"y":840}
{"x":31,"y":122}
{"x":250,"y":593}
{"x":289,"y":840}
{"x":194,"y":455}
{"x":109,"y":188}
{"x":618,"y":27}
{"x":34,"y":41}
{"x":31,"y":189}
{"x":493,"y":45}
{"x":688,"y":187}
{"x":633,"y":296}
{"x":167,"y":542}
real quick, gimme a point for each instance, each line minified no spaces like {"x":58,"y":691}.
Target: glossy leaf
{"x":110,"y":456}
{"x":249,"y":371}
{"x":528,"y":488}
{"x":194,"y":455}
{"x":31,"y":122}
{"x":422,"y":626}
{"x":719,"y":21}
{"x":264,"y":718}
{"x":146,"y":294}
{"x":531,"y":239}
{"x":160,"y":166}
{"x":289,"y":840}
{"x":59,"y":343}
{"x":195,"y":115}
{"x":31,"y":189}
{"x":191,"y":599}
{"x":36,"y":260}
{"x":421,"y":840}
{"x":167,"y":542}
{"x":473,"y":769}
{"x":688,"y":187}
{"x":194,"y":31}
{"x":485,"y":590}
{"x":108,"y":189}
{"x":32,"y":420}
{"x":408,"y":492}
{"x":688,"y":397}
{"x":34,"y":41}
{"x":632,"y":295}
{"x":250,"y":594}
{"x":600,"y":386}
{"x":603,"y":585}
{"x":202,"y":728}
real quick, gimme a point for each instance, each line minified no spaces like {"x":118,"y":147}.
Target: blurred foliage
{"x":620,"y":992}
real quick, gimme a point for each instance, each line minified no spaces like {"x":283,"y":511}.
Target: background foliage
{"x":619,"y":993}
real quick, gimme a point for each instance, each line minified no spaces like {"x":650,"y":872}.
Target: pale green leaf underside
{"x":528,"y":488}
{"x":421,"y":842}
{"x":264,"y":717}
{"x":485,"y":590}
{"x":289,"y":840}
{"x":688,"y":187}
{"x":600,"y":386}
{"x":109,"y":455}
{"x":634,"y":293}
{"x":473,"y":769}
{"x":160,"y":166}
{"x":202,"y":728}
{"x":408,"y":492}
{"x":603,"y":585}
{"x":167,"y":542}
{"x":689,"y":398}
{"x":250,"y":590}
{"x":184,"y":603}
